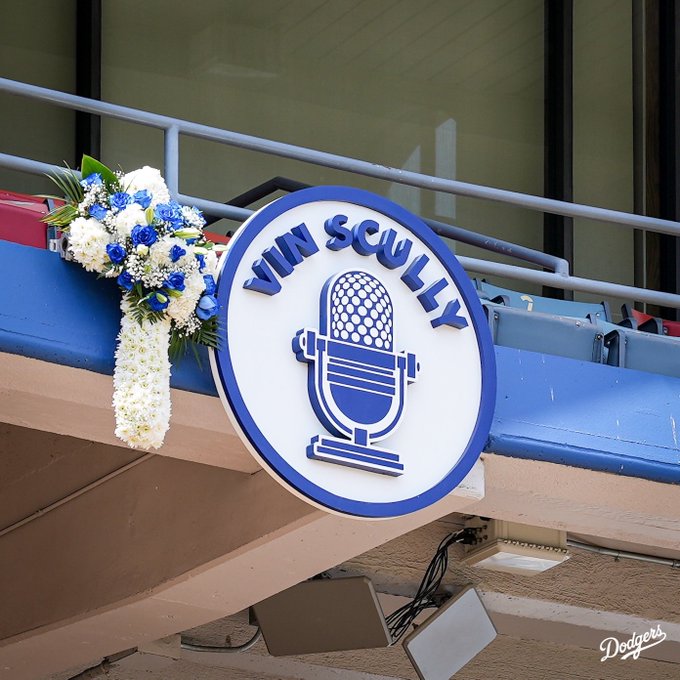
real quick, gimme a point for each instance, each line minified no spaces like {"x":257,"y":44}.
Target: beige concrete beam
{"x":75,"y":402}
{"x":581,"y":501}
{"x":165,"y":546}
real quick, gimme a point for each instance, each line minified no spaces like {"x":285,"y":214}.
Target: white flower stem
{"x":141,"y":381}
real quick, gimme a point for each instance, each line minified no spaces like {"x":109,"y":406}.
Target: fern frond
{"x":69,"y":184}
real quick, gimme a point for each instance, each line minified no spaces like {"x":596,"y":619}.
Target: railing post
{"x":171,"y":160}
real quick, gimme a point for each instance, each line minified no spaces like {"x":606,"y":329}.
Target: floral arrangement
{"x":126,"y":227}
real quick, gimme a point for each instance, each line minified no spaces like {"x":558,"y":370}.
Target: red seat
{"x":652,"y":324}
{"x":216,"y":238}
{"x":20,"y":217}
{"x":671,"y":328}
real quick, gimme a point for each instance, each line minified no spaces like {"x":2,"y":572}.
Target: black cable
{"x":399,"y":621}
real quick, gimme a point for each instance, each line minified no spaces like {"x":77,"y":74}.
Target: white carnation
{"x":141,"y":381}
{"x":125,"y":220}
{"x":159,"y":253}
{"x":149,"y":179}
{"x":181,"y":309}
{"x":87,"y":243}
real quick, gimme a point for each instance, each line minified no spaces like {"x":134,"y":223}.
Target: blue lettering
{"x":265,"y":282}
{"x":410,"y":276}
{"x":278,"y":262}
{"x":389,"y":256}
{"x":426,"y":298}
{"x":450,"y":316}
{"x":342,"y":237}
{"x":360,"y":244}
{"x":297,"y":244}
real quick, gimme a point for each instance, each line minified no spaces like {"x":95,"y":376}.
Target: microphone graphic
{"x":356,"y":381}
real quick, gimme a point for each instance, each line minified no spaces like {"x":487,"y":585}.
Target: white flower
{"x":87,"y":242}
{"x":211,"y":262}
{"x":181,"y":309}
{"x":192,"y":216}
{"x":127,"y":219}
{"x":159,"y":253}
{"x":149,"y":179}
{"x":141,"y":381}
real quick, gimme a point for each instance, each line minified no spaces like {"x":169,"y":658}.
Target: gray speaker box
{"x":323,"y":615}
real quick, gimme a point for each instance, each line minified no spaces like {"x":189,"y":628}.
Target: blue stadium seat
{"x":536,"y":303}
{"x":643,"y":351}
{"x":546,"y":333}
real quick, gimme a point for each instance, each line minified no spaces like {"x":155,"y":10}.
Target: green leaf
{"x":90,"y":166}
{"x":61,"y":216}
{"x":69,"y":185}
{"x":209,"y":334}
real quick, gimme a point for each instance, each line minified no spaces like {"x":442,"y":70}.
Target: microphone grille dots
{"x":361,"y":311}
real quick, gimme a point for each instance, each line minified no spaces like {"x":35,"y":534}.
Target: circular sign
{"x":358,"y":366}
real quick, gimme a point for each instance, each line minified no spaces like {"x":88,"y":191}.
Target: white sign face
{"x":358,"y":365}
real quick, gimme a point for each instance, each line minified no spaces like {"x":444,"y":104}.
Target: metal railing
{"x":558,"y":277}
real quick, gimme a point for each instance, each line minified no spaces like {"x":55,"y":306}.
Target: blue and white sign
{"x":358,"y":366}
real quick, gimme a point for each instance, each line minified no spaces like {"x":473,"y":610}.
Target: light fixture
{"x":451,"y":637}
{"x":514,"y":548}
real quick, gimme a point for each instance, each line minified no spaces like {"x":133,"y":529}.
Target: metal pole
{"x":171,"y":160}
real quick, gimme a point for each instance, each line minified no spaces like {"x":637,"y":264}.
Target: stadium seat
{"x":645,"y":322}
{"x":628,"y":348}
{"x":546,"y":333}
{"x":536,"y":303}
{"x":20,"y":217}
{"x":671,"y":328}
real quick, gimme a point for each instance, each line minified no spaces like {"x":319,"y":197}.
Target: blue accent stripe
{"x":362,"y":355}
{"x":367,"y":450}
{"x":346,"y":381}
{"x":359,"y":456}
{"x":363,"y":374}
{"x":334,"y":361}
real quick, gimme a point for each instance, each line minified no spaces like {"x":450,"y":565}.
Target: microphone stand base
{"x":345,"y":452}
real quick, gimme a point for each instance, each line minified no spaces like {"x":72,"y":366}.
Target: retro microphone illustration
{"x":356,"y":381}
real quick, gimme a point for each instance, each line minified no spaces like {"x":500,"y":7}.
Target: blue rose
{"x":98,"y":211}
{"x":176,"y":252}
{"x":125,"y":280}
{"x":210,"y":286}
{"x":116,"y":252}
{"x":201,"y":262}
{"x":175,"y":281}
{"x":95,"y":179}
{"x":143,"y":235}
{"x":157,"y":301}
{"x":120,"y":200}
{"x":170,"y":212}
{"x":142,"y":198}
{"x":207,"y":307}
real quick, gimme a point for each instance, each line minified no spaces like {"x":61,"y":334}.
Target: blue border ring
{"x":223,"y":364}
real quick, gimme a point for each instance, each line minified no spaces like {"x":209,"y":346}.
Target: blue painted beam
{"x":548,"y":408}
{"x":54,"y":310}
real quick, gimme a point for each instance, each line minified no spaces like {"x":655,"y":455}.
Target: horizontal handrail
{"x":231,"y":212}
{"x":173,"y":127}
{"x":473,"y":238}
{"x":559,"y":280}
{"x":338,"y":162}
